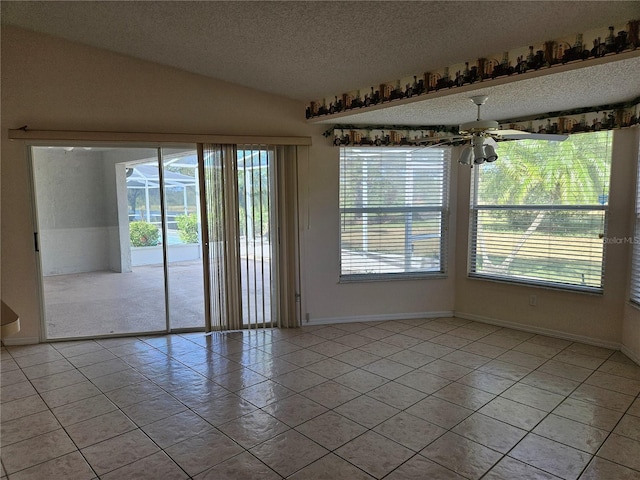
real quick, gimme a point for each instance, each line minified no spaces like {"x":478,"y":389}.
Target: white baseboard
{"x":629,"y":353}
{"x":377,"y":318}
{"x":20,"y":341}
{"x":541,"y":331}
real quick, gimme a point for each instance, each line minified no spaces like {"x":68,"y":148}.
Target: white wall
{"x":72,"y":211}
{"x":119,"y":230}
{"x":81,"y":198}
{"x":631,"y":319}
{"x":631,"y":332}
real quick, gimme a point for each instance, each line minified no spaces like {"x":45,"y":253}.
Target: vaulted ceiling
{"x":307,"y":50}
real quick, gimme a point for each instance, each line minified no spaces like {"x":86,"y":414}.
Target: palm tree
{"x":541,"y":174}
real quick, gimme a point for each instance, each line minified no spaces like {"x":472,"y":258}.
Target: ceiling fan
{"x":483,"y":134}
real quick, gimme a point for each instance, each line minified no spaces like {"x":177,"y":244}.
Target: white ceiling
{"x":307,"y":50}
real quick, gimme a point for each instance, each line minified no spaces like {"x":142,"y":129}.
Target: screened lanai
{"x":146,"y":177}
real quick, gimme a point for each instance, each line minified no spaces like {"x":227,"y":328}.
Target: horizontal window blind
{"x":635,"y":263}
{"x":539,"y":213}
{"x":393,"y":209}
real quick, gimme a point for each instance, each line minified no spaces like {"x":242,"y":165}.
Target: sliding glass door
{"x":118,"y":236}
{"x":183,"y":232}
{"x":240,"y":193}
{"x":124,"y":250}
{"x":256,"y":219}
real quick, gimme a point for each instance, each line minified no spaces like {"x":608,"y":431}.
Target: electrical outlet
{"x":533,"y":300}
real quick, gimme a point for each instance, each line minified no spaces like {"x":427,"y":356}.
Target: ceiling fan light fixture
{"x":478,"y":154}
{"x":466,"y":157}
{"x":490,"y":153}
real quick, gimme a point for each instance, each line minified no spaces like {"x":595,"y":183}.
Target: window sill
{"x":390,"y":277}
{"x":539,"y":284}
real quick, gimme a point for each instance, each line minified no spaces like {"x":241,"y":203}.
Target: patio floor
{"x":107,"y":303}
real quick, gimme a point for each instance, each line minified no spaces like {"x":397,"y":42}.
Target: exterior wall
{"x":119,"y":231}
{"x":72,"y":211}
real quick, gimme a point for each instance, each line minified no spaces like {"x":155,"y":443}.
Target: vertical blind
{"x":393,"y":211}
{"x":256,"y":219}
{"x":635,"y":264}
{"x":222,"y":230}
{"x":289,"y":298}
{"x":238,"y":186}
{"x":539,"y":213}
{"x":251,"y":236}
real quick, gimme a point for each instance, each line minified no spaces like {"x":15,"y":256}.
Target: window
{"x":635,"y":264}
{"x":393,"y":211}
{"x":539,"y":214}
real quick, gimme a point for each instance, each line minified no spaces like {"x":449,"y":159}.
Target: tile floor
{"x":399,"y":400}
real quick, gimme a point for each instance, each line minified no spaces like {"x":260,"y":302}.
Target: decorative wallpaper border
{"x":589,"y":119}
{"x":485,"y":69}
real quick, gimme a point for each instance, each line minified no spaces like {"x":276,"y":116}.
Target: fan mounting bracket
{"x":479,"y":99}
{"x":479,"y":126}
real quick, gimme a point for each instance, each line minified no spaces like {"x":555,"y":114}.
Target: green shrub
{"x":188,"y":228}
{"x":143,"y":234}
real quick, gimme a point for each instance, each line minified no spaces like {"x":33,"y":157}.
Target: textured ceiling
{"x":309,"y":50}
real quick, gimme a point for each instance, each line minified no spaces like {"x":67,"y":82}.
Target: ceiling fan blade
{"x":490,"y":141}
{"x":438,"y":139}
{"x":431,"y":145}
{"x":533,"y":136}
{"x":438,"y":142}
{"x":508,"y":131}
{"x":489,"y":128}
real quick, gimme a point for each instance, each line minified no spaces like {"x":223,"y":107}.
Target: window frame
{"x":634,"y":275}
{"x":475,"y":208}
{"x":442,"y":209}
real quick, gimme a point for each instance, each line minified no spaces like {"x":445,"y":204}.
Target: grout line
{"x":173,"y":358}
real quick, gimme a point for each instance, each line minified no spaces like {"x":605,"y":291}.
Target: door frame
{"x":34,"y":138}
{"x":158,"y":148}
